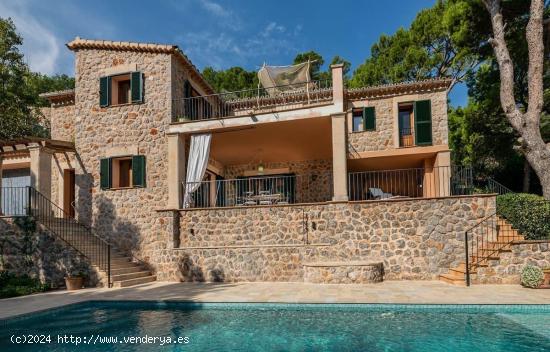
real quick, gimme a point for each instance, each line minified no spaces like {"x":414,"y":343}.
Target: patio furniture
{"x":378,"y":193}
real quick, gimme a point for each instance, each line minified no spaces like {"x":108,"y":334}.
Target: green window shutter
{"x":423,"y":122}
{"x":138,"y":171}
{"x":136,"y":87}
{"x":369,"y":118}
{"x":104,"y":91}
{"x":105,"y":173}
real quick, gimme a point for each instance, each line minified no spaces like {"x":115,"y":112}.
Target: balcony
{"x":252,"y":101}
{"x":312,"y":187}
{"x":441,"y":181}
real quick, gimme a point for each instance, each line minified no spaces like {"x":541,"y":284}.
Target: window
{"x":357,"y":120}
{"x":364,"y":119}
{"x":122,"y":172}
{"x":415,"y":123}
{"x":406,"y":116}
{"x":121,"y":89}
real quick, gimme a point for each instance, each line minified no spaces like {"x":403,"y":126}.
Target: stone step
{"x":131,"y":275}
{"x":461,"y":271}
{"x":136,"y":281}
{"x":125,"y":270}
{"x":453,"y":279}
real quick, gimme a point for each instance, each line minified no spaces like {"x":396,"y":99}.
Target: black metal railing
{"x":27,"y":201}
{"x":244,"y":102}
{"x":487,"y":238}
{"x":406,"y":137}
{"x":484,"y":241}
{"x":259,"y":190}
{"x":493,"y":186}
{"x":442,"y":181}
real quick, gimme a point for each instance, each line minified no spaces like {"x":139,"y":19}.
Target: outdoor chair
{"x":378,"y":193}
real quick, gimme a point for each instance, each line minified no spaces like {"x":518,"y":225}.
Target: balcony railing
{"x":259,"y":190}
{"x":406,"y":137}
{"x":244,"y":102}
{"x":440,"y":181}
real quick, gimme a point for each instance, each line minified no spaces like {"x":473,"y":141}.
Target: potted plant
{"x":183,"y":119}
{"x":74,"y":280}
{"x":532,"y":276}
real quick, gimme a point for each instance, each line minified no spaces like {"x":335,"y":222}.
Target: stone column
{"x":442,"y":172}
{"x":338,"y":85}
{"x":41,"y":170}
{"x":176,"y":170}
{"x":339,"y":158}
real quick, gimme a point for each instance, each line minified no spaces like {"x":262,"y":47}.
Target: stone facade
{"x":125,"y":216}
{"x":414,"y":239}
{"x":27,"y":248}
{"x":384,"y":138}
{"x":344,"y":273}
{"x":62,"y":127}
{"x":507,"y":269}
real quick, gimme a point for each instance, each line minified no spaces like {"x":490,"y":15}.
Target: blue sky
{"x":218,"y":33}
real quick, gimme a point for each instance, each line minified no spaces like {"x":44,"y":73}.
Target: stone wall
{"x":28,"y":248}
{"x":415,"y":239}
{"x":507,"y":269}
{"x":125,"y":216}
{"x":62,"y":127}
{"x":387,"y":126}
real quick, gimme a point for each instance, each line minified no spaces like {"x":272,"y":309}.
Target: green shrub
{"x":531,"y":276}
{"x":12,"y":285}
{"x":528,"y":213}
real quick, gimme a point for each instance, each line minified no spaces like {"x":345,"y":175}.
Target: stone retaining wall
{"x":507,"y":269}
{"x":340,"y":273}
{"x":415,"y":239}
{"x":32,"y":250}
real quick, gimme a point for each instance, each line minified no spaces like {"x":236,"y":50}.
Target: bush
{"x":531,"y":276}
{"x":12,"y":285}
{"x":528,"y":213}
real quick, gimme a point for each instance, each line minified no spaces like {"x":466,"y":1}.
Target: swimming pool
{"x":280,"y":327}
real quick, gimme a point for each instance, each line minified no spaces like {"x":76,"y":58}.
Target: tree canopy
{"x":20,"y":88}
{"x":432,"y":47}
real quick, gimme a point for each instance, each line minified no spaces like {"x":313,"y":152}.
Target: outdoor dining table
{"x":272,"y":198}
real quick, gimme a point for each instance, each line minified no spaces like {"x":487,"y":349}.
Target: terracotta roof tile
{"x":384,"y":90}
{"x":79,"y":43}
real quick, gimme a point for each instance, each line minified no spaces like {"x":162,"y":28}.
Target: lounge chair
{"x":377,"y":193}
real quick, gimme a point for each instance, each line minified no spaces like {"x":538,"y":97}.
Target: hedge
{"x":12,"y":285}
{"x":528,"y":213}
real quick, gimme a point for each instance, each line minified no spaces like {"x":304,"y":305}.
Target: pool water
{"x":285,"y":327}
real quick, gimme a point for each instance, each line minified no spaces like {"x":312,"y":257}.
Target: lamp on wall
{"x":260,"y":168}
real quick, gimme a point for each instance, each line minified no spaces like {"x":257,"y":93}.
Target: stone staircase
{"x":495,"y":242}
{"x":124,"y":270}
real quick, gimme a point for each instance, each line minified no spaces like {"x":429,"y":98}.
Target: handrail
{"x":61,"y":224}
{"x":482,"y":246}
{"x":241,"y":102}
{"x":497,"y":187}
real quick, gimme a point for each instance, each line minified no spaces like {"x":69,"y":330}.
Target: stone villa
{"x":315,"y":183}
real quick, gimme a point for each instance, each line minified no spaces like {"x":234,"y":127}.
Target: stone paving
{"x":411,"y":292}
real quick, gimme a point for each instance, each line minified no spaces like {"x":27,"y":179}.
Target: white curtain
{"x":196,"y":165}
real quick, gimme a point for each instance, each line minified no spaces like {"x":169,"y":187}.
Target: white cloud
{"x":223,"y":49}
{"x":215,"y":8}
{"x":226,"y":17}
{"x":271,"y":28}
{"x":40,"y":45}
